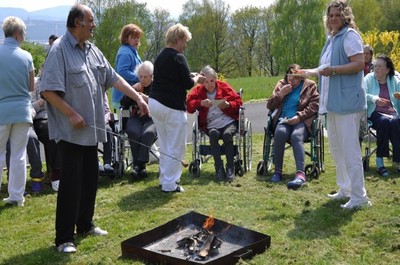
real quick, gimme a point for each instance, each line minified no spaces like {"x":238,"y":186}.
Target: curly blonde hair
{"x":346,"y":14}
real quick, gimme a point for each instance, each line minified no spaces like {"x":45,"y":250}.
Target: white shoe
{"x":14,"y":202}
{"x":338,"y":196}
{"x":67,"y":247}
{"x":350,"y":205}
{"x":101,"y":168}
{"x":108,"y":167}
{"x":97,"y":231}
{"x":55,"y":184}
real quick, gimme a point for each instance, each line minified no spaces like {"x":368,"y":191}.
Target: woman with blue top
{"x":295,"y":100}
{"x":343,"y":101}
{"x":17,"y":78}
{"x":383,"y":110}
{"x":127,"y":59}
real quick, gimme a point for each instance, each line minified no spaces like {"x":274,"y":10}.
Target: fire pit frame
{"x":253,"y":242}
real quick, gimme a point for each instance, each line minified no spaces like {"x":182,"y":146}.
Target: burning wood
{"x":201,"y":245}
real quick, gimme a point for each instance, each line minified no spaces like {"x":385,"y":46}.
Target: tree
{"x":161,"y":21}
{"x":209,"y":25}
{"x":366,"y":21}
{"x":246,"y":31}
{"x":37,"y":51}
{"x":298,"y":34}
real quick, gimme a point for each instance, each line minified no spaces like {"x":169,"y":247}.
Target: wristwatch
{"x":333,"y":71}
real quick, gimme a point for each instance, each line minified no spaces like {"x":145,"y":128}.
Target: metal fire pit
{"x":160,"y":244}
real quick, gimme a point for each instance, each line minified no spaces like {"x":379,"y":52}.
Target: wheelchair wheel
{"x":194,"y":169}
{"x":262,"y":168}
{"x":247,"y":147}
{"x":239,"y":170}
{"x":365,"y":160}
{"x":312,"y":172}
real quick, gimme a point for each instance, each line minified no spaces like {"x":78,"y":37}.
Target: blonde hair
{"x":346,"y":13}
{"x":12,"y":25}
{"x":176,"y":32}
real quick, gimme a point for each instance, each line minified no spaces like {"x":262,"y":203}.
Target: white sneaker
{"x":97,"y":231}
{"x":338,"y":196}
{"x":350,"y":205}
{"x":108,"y":167}
{"x":101,"y":168}
{"x":14,"y":202}
{"x":67,"y":247}
{"x":55,"y":184}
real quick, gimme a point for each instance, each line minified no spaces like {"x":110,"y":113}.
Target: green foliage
{"x":298,"y":34}
{"x":37,"y":51}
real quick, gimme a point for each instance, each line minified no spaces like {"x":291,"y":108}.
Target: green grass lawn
{"x":304,"y":225}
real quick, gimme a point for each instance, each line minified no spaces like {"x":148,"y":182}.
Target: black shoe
{"x":134,"y":173}
{"x":230,"y":173}
{"x":143,"y":173}
{"x":220,"y":173}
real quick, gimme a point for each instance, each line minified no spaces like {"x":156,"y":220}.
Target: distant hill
{"x":41,"y":23}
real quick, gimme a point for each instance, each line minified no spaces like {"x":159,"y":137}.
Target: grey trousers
{"x":296,"y":134}
{"x":226,"y":134}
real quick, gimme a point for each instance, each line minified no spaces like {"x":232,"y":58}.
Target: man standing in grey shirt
{"x":76,"y":75}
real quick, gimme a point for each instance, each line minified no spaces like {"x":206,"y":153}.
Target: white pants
{"x":343,"y":135}
{"x":171,"y":127}
{"x":17,"y":133}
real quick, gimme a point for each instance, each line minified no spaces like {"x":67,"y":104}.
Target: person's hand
{"x":224,"y":105}
{"x":327,"y":71}
{"x":206,"y":103}
{"x":138,"y":87}
{"x":294,"y":120}
{"x":382,"y":102}
{"x":77,"y":120}
{"x":286,"y":89}
{"x":199,"y":78}
{"x":144,"y":108}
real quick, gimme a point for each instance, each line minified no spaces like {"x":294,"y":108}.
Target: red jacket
{"x":224,"y":91}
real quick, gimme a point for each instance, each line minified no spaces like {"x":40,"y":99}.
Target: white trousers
{"x":17,"y":133}
{"x":171,"y":127}
{"x":343,"y":136}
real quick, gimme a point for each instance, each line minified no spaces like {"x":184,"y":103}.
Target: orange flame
{"x":208,"y":223}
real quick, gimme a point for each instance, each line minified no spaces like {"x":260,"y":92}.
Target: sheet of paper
{"x":216,"y":102}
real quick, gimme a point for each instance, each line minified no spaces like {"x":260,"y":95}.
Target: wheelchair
{"x":316,"y":152}
{"x":121,"y":155}
{"x":368,"y":136}
{"x":242,"y":144}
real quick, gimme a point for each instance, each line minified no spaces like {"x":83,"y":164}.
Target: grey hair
{"x":146,"y":67}
{"x":12,"y":25}
{"x":208,"y":70}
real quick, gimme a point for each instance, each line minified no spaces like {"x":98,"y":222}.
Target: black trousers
{"x":77,"y":190}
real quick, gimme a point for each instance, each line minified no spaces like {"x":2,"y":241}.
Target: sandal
{"x":382,"y":171}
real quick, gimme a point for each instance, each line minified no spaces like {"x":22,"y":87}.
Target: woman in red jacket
{"x":218,"y":106}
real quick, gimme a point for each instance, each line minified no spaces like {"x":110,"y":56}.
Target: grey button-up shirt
{"x":80,"y":77}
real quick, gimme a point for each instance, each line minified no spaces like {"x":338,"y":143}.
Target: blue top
{"x":15,"y":66}
{"x":80,"y":77}
{"x":126,"y":61}
{"x":291,"y":104}
{"x":346,"y":93}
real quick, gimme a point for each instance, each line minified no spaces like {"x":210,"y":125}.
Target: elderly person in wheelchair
{"x":140,"y":129}
{"x":218,"y":106}
{"x":295,"y":100}
{"x":383,"y":94}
